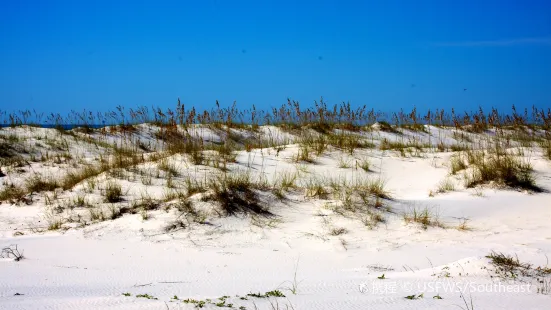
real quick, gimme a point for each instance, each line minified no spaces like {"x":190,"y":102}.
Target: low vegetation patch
{"x":12,"y":252}
{"x":274,"y":293}
{"x":37,"y":183}
{"x":507,"y":170}
{"x":364,"y":164}
{"x":13,"y":194}
{"x":373,"y":219}
{"x":424,"y":216}
{"x":446,"y":185}
{"x":236,"y":193}
{"x":337,"y":231}
{"x":146,"y":296}
{"x":546,"y":147}
{"x":498,"y":167}
{"x":113,"y":192}
{"x":509,"y":266}
{"x":412,"y":148}
{"x":224,"y":301}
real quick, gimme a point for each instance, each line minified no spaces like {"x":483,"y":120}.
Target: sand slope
{"x":91,"y":267}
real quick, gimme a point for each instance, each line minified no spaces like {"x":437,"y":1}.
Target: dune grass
{"x":505,"y":169}
{"x":192,"y":153}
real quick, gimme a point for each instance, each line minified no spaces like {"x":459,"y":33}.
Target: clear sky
{"x":95,"y":54}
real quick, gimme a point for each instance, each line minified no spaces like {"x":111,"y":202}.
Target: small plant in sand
{"x":315,"y":188}
{"x":373,"y":218}
{"x":286,"y":181}
{"x":337,"y":231}
{"x":364,"y":163}
{"x":197,"y":303}
{"x":12,"y":252}
{"x":97,"y":214}
{"x":468,"y":305}
{"x":546,"y":148}
{"x":457,"y":163}
{"x":344,"y":162}
{"x":144,"y":214}
{"x":312,"y":142}
{"x":508,"y":265}
{"x":13,"y":194}
{"x":38,"y":183}
{"x":168,"y":167}
{"x":445,"y":186}
{"x":146,"y":296}
{"x":113,"y":192}
{"x":292,"y":285}
{"x":235,"y":192}
{"x":274,"y":293}
{"x":463,"y":225}
{"x":424,"y":216}
{"x":54,"y":223}
{"x":414,"y":297}
{"x":304,"y":154}
{"x":194,"y":186}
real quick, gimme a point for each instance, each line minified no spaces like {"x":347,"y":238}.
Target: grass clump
{"x":304,"y":154}
{"x":373,"y":219}
{"x":168,"y":167}
{"x":236,"y":193}
{"x":286,"y":180}
{"x":386,"y":127}
{"x":364,"y":164}
{"x":36,"y":184}
{"x":445,"y":185}
{"x":315,"y":188}
{"x":507,"y":265}
{"x":505,"y":169}
{"x":344,"y":162}
{"x":337,"y":231}
{"x":72,"y":178}
{"x":12,"y":193}
{"x":348,"y":142}
{"x":463,"y":225}
{"x":426,"y":217}
{"x":113,"y":192}
{"x":412,"y":147}
{"x":546,"y":147}
{"x":97,"y":214}
{"x":457,"y":163}
{"x":55,"y":224}
{"x":312,"y":143}
{"x":506,"y":261}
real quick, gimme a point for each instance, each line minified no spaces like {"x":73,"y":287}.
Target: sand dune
{"x":315,"y":229}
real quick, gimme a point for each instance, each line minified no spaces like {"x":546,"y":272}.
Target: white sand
{"x":91,"y":267}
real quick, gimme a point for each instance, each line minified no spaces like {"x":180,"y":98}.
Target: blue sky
{"x":61,"y":55}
